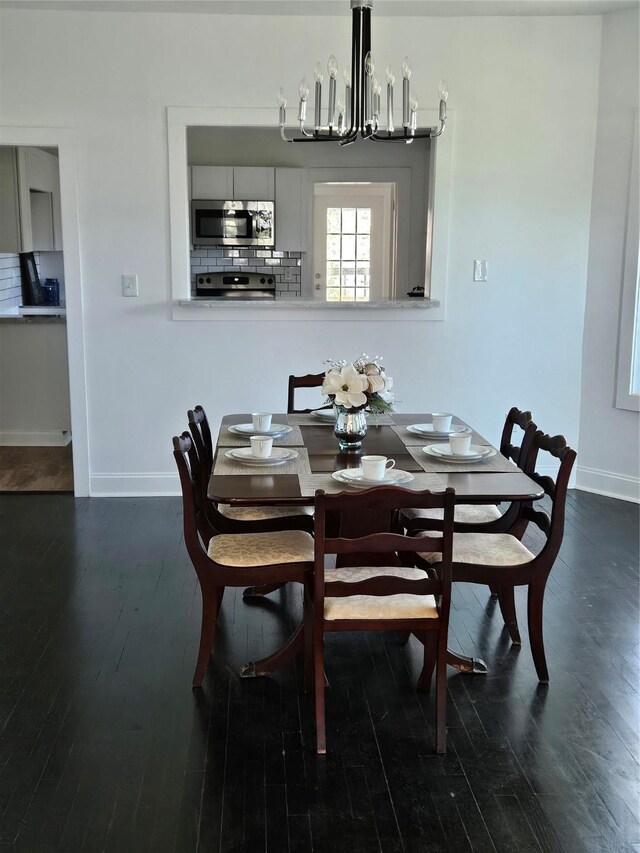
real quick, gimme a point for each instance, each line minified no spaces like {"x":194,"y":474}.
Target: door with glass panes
{"x":352,"y":242}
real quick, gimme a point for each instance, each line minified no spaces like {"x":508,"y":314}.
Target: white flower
{"x":347,"y":386}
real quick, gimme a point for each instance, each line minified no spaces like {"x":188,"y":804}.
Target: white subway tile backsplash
{"x":264,"y":261}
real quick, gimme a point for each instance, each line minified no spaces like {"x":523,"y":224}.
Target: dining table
{"x":318,"y":463}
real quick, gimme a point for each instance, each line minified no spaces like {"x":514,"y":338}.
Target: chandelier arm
{"x":440,"y":131}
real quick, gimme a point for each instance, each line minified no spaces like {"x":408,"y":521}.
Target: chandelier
{"x":358,"y":113}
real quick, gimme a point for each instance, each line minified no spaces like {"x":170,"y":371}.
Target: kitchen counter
{"x":45,"y":314}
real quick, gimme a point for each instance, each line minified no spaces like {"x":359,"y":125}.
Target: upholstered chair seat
{"x":379,"y":607}
{"x":261,"y":513}
{"x":494,"y":549}
{"x":261,"y":549}
{"x":464,"y":513}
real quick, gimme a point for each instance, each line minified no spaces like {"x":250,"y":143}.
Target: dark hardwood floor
{"x":104,"y":746}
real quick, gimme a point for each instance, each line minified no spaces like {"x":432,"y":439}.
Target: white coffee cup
{"x":460,"y":443}
{"x":261,"y":421}
{"x":375,"y":467}
{"x":441,"y":422}
{"x":261,"y":445}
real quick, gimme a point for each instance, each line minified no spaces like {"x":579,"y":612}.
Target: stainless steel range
{"x":235,"y":285}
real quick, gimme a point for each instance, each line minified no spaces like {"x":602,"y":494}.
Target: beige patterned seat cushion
{"x":262,"y":513}
{"x":486,"y":549}
{"x":464,"y":513}
{"x":399,"y":606}
{"x":261,"y":549}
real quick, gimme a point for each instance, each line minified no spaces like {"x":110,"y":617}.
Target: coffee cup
{"x":460,"y":443}
{"x":375,"y":467}
{"x":441,"y":422}
{"x":261,"y":445}
{"x":261,"y":421}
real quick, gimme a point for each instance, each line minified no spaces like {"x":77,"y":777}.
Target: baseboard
{"x":607,"y":483}
{"x":134,"y":485}
{"x":44,"y":438}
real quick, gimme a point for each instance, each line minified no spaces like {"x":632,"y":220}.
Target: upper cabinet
{"x":30,"y":214}
{"x":291,"y":210}
{"x":242,"y":183}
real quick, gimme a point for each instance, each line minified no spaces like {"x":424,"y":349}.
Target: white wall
{"x":609,"y":458}
{"x":524,"y":91}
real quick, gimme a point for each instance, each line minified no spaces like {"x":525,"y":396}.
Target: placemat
{"x":299,"y":465}
{"x":412,"y":439}
{"x":309,"y":483}
{"x":498,"y":464}
{"x":230,"y":439}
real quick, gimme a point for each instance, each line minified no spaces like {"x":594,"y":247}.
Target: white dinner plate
{"x":354,"y":477}
{"x":247,"y":429}
{"x":245,"y":456}
{"x":477,"y":453}
{"x":324,"y":414}
{"x":428,"y":430}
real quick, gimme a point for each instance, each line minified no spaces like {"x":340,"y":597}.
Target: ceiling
{"x":402,"y":8}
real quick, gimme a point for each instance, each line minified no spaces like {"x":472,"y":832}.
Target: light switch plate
{"x":129,"y":285}
{"x":480,"y":272}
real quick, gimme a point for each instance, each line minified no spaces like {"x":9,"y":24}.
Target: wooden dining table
{"x":492,"y":480}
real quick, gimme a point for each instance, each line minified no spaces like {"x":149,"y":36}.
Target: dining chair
{"x":379,"y":597}
{"x":236,"y":560}
{"x":310,"y":380}
{"x":488,"y":518}
{"x":231,"y":519}
{"x":500,"y":559}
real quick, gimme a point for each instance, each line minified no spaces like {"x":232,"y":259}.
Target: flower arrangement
{"x":362,"y":383}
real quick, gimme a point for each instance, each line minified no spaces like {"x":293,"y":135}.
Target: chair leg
{"x":441,"y":696}
{"x":506,"y":600}
{"x":535,"y":601}
{"x":211,"y":600}
{"x":430,"y":654}
{"x":318,"y":657}
{"x":262,"y":589}
{"x":308,"y":636}
{"x":493,"y":589}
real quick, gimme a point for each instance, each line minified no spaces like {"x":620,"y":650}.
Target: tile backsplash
{"x":266,"y":261}
{"x":10,"y":283}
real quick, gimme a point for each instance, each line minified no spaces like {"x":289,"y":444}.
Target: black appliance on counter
{"x":235,"y":285}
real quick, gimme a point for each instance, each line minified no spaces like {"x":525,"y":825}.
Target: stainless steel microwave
{"x":232,"y":223}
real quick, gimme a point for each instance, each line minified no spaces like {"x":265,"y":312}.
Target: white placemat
{"x":299,"y":465}
{"x":309,"y":483}
{"x":232,"y":439}
{"x":412,"y":439}
{"x":497,"y":464}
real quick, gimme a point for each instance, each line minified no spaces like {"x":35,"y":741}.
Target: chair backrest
{"x":518,"y":453}
{"x":382,"y":500}
{"x":194,"y":522}
{"x":552,"y":527}
{"x":201,"y":434}
{"x":310,"y":380}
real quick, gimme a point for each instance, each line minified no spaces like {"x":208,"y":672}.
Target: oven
{"x":235,"y":285}
{"x":232,"y":223}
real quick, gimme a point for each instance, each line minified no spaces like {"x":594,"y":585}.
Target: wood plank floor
{"x":36,"y":469}
{"x":103,"y":745}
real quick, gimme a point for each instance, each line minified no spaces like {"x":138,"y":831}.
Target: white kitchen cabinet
{"x":244,"y":183}
{"x":10,"y":228}
{"x":39,"y":194}
{"x":292,"y":214}
{"x":212,"y":182}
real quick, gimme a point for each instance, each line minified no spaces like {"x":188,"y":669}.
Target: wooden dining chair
{"x":310,"y":380}
{"x":235,"y":560}
{"x":231,"y":519}
{"x":488,"y":518}
{"x":382,"y":598}
{"x":501,"y":560}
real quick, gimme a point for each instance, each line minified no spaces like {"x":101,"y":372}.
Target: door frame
{"x":64,"y":139}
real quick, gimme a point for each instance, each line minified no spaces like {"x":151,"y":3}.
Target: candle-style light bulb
{"x":282,"y":103}
{"x":390,"y":81}
{"x":406,"y":73}
{"x":347,"y":75}
{"x":390,"y":76}
{"x":332,"y":67}
{"x":377,"y":88}
{"x":369,"y":64}
{"x":443,"y":90}
{"x":282,"y":98}
{"x":406,"y":68}
{"x":413,"y":103}
{"x":317,"y":73}
{"x":303,"y":89}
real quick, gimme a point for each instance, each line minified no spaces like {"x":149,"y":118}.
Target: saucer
{"x":428,"y":430}
{"x":245,"y":456}
{"x":354,"y":477}
{"x":276,"y":430}
{"x":324,"y":414}
{"x":477,"y":453}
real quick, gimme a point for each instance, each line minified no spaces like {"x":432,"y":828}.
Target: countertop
{"x":45,"y":314}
